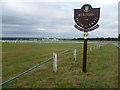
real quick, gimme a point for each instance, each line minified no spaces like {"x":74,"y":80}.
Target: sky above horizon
{"x":55,"y":18}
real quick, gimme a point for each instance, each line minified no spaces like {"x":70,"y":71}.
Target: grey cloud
{"x":55,"y":18}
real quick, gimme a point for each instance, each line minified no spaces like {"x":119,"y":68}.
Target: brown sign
{"x":86,"y":30}
{"x":86,"y":17}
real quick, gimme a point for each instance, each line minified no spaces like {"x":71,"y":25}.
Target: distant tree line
{"x":100,"y":39}
{"x":20,"y":38}
{"x":29,"y":38}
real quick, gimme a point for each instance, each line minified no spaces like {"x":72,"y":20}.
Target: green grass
{"x":102,"y":66}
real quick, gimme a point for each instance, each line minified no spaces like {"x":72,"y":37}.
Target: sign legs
{"x":84,"y":56}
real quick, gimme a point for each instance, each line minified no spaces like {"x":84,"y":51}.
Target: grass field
{"x":102,"y":66}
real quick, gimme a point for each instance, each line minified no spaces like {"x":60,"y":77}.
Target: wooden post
{"x":90,"y":48}
{"x":100,"y":46}
{"x":94,"y":47}
{"x":84,"y":56}
{"x":54,"y":62}
{"x":74,"y":54}
{"x":85,"y":52}
{"x":97,"y":46}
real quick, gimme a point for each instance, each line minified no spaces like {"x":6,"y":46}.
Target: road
{"x":117,"y":44}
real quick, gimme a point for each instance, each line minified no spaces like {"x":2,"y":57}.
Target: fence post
{"x":54,"y":62}
{"x":99,"y":46}
{"x":74,"y":54}
{"x":90,"y":48}
{"x":94,"y":47}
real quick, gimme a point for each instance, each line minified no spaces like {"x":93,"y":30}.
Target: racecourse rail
{"x":100,"y":44}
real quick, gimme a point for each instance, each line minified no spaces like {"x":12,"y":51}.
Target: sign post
{"x":85,"y":55}
{"x":86,"y":20}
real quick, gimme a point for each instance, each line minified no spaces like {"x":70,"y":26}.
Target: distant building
{"x":50,"y":39}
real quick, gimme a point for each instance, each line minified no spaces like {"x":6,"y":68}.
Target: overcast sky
{"x":54,"y":18}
